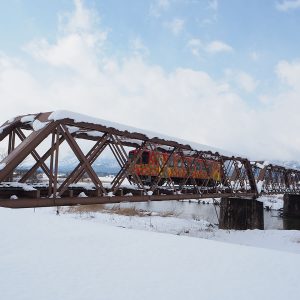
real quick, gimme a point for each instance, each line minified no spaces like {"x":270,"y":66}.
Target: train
{"x":150,"y":163}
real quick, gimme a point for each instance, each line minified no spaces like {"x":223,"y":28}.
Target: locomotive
{"x":150,"y":164}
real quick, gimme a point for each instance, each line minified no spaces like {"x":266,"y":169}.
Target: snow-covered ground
{"x":274,"y":202}
{"x":73,"y":256}
{"x":284,"y":240}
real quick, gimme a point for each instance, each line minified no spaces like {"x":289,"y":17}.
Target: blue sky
{"x":227,"y":67}
{"x":250,"y":27}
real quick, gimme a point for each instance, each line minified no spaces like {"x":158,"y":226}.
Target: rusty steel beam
{"x":34,"y":153}
{"x":24,"y":149}
{"x":39,"y":163}
{"x":55,"y":174}
{"x":277,"y":179}
{"x":81,"y":157}
{"x":69,"y":201}
{"x":126,"y":170}
{"x":79,"y":170}
{"x":239,"y":177}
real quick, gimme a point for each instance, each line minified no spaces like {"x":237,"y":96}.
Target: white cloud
{"x":70,"y":51}
{"x":289,"y":73}
{"x":195,"y":46}
{"x":138,"y":47}
{"x":209,"y":21}
{"x":218,"y":46}
{"x":213,"y":4}
{"x":78,"y":43}
{"x":211,"y":16}
{"x":287,"y":5}
{"x":176,"y":25}
{"x":254,"y":55}
{"x":213,"y":47}
{"x":284,"y":113}
{"x":247,"y":82}
{"x":242,"y":79}
{"x":157,"y":7}
{"x":183,"y":102}
{"x":80,"y":20}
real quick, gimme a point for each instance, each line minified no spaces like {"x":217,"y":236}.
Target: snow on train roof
{"x":64,"y":114}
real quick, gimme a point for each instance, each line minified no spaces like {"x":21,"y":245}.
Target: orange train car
{"x":150,"y":163}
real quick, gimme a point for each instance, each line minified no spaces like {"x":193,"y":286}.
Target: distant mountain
{"x":103,"y":166}
{"x":293,"y":164}
{"x":106,"y":166}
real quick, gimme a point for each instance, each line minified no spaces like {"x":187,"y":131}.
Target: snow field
{"x":43,"y":256}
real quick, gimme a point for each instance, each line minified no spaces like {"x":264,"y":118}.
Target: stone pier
{"x":291,"y":206}
{"x":241,"y":214}
{"x":291,"y":212}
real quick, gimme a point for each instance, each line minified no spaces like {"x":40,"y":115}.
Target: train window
{"x":179,"y":163}
{"x":207,"y":167}
{"x":145,"y":158}
{"x":131,"y":155}
{"x":171,"y":162}
{"x":160,"y":161}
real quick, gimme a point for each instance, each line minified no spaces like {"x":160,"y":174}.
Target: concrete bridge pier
{"x":291,"y":212}
{"x":241,"y":214}
{"x":291,"y":205}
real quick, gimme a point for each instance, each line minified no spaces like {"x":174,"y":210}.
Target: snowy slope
{"x":43,"y":256}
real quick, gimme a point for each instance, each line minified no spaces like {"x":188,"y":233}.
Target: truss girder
{"x":238,"y":176}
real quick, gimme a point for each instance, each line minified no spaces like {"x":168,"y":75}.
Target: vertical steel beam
{"x":11,"y":147}
{"x":51,"y":179}
{"x":55,"y":177}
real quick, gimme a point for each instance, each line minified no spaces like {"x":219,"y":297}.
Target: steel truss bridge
{"x":29,"y":135}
